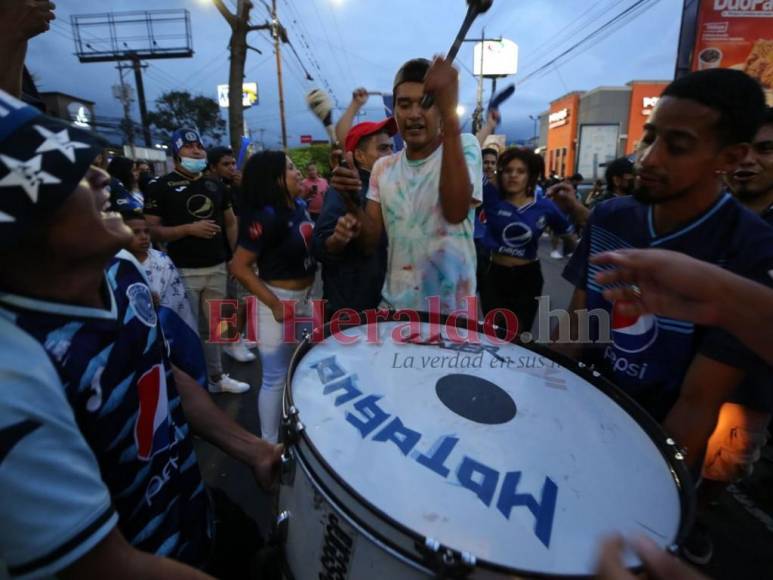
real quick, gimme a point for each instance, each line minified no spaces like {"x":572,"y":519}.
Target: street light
{"x":460,"y":110}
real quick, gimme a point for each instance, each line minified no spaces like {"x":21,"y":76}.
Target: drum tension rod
{"x":291,"y":427}
{"x":445,"y":562}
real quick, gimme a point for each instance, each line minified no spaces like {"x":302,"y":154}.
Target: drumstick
{"x":475,"y":7}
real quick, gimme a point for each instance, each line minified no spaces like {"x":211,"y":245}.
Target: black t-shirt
{"x":281,"y":240}
{"x":178,"y":200}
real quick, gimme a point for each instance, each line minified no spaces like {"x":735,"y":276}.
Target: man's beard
{"x":645,"y":195}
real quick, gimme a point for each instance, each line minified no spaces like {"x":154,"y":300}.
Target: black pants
{"x":514,"y":288}
{"x":483,"y":256}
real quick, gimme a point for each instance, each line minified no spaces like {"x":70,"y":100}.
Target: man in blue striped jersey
{"x":679,"y":372}
{"x":97,"y":465}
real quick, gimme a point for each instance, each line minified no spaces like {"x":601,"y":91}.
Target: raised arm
{"x":488,"y":129}
{"x":456,"y":188}
{"x":359,"y":98}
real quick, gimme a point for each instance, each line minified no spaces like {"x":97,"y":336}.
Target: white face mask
{"x":193,"y":165}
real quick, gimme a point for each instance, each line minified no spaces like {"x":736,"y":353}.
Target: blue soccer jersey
{"x":113,"y":367}
{"x":55,"y":507}
{"x":648,"y":355}
{"x":515,"y":231}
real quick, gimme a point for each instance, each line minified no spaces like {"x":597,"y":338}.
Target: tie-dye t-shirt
{"x":428,"y":256}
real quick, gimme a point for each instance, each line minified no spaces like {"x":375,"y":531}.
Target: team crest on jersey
{"x":142,"y":303}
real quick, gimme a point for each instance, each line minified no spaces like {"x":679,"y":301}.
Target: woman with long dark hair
{"x":124,"y":190}
{"x":514,"y":224}
{"x":275,"y":232}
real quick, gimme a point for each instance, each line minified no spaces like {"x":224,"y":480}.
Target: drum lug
{"x":446,"y":563}
{"x":282,"y":528}
{"x":291,"y":427}
{"x":287,"y":468}
{"x":679,"y":453}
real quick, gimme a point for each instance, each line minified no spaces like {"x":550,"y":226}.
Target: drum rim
{"x":679,"y":472}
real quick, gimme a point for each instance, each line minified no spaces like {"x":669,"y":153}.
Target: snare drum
{"x":436,"y":457}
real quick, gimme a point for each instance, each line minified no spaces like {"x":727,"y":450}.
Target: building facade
{"x":69,"y":108}
{"x":583,"y":130}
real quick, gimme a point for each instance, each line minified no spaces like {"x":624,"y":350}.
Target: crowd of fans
{"x":111,"y":347}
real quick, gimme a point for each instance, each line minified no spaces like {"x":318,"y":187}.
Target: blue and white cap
{"x":42,"y":160}
{"x":182,"y":137}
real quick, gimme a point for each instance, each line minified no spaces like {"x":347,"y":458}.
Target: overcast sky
{"x":363,"y":42}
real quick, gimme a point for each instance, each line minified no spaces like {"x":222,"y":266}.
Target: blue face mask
{"x":193,"y":165}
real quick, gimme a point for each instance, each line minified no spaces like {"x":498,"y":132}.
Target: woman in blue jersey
{"x":275,"y":232}
{"x":514,"y":224}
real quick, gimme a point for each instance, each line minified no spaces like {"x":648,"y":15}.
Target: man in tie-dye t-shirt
{"x":424,"y":196}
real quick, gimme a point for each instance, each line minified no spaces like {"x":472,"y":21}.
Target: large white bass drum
{"x":456,"y":456}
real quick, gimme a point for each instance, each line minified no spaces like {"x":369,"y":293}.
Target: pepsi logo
{"x":151,"y":430}
{"x":516,"y":235}
{"x":632,"y":333}
{"x":306,"y":230}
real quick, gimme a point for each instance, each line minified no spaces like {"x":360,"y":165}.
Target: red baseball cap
{"x":367,"y":128}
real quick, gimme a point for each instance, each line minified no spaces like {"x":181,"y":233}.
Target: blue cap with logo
{"x":42,"y":160}
{"x":183,"y":137}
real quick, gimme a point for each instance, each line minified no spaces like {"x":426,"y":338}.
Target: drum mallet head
{"x":474,"y":7}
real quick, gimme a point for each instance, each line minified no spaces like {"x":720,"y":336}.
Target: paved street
{"x":741,"y":524}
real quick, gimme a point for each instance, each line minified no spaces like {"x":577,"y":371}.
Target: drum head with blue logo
{"x":488,"y":449}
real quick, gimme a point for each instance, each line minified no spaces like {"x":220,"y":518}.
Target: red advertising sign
{"x":305,"y":139}
{"x":736,"y":34}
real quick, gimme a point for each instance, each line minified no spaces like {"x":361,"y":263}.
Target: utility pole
{"x":137,"y":66}
{"x":123,"y":93}
{"x":277,"y":32}
{"x":477,"y":116}
{"x":240,"y":27}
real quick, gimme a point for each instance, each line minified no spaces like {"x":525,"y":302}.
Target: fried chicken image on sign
{"x":759,"y":63}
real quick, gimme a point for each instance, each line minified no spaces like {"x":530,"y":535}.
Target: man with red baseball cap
{"x":350,"y":278}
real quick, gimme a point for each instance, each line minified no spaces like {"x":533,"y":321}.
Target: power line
{"x":296,"y":19}
{"x":324,"y":30}
{"x":564,"y":35}
{"x":341,"y":38}
{"x":645,"y":4}
{"x":605,"y":34}
{"x":223,"y":54}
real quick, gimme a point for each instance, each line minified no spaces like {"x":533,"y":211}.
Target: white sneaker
{"x":556,"y":254}
{"x":228,"y":385}
{"x":239,"y":352}
{"x":249,"y":344}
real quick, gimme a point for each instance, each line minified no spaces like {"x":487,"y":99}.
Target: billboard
{"x":736,"y":34}
{"x":249,"y":95}
{"x":598,"y":144}
{"x":499,"y":58}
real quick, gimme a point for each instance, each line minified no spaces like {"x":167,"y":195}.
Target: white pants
{"x":276,"y":349}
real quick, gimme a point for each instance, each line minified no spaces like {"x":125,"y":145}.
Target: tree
{"x":178,"y":109}
{"x":319,"y":154}
{"x":240,"y":26}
